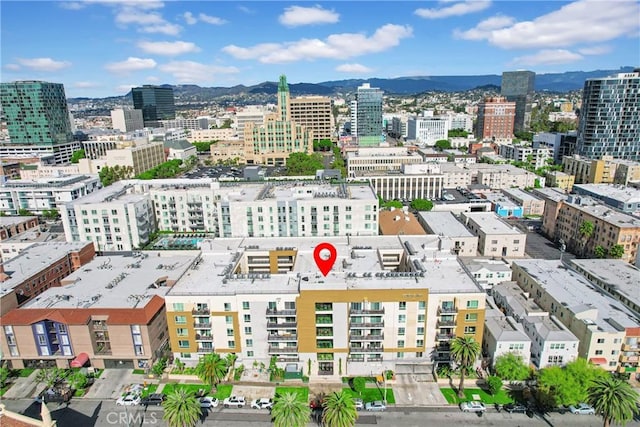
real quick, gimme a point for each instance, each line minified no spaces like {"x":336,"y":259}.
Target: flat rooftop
{"x":551,"y":193}
{"x":620,"y":276}
{"x":519,"y":194}
{"x":616,"y":192}
{"x":477,"y":264}
{"x":445,"y":224}
{"x":69,"y":181}
{"x":358,"y":265}
{"x":580,"y":296}
{"x":33,"y":260}
{"x":489,"y":223}
{"x":550,"y":328}
{"x":598,"y":209}
{"x":519,"y":301}
{"x":116,"y":281}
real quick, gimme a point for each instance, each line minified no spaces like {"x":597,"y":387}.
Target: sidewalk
{"x":24,"y":387}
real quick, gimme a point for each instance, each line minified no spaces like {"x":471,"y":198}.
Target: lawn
{"x":452,"y":397}
{"x":151,"y":388}
{"x":4,"y":389}
{"x":223,"y":390}
{"x":302,"y":392}
{"x":138,"y":371}
{"x":23,"y":373}
{"x":371,"y":394}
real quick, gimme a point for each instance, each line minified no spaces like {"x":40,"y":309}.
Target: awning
{"x":80,"y":360}
{"x":598,"y":360}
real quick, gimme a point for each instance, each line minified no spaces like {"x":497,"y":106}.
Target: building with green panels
{"x":36,"y":113}
{"x":366,"y":116}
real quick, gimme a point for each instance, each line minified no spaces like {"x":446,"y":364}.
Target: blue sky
{"x":103,"y":47}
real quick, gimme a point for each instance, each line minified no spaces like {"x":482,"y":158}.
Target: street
{"x":89,"y":413}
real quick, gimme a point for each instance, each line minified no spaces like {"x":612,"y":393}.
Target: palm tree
{"x":231,"y":362}
{"x":614,"y":399}
{"x":464,"y":350}
{"x":288,"y":411}
{"x":339,"y":410}
{"x":586,"y":231}
{"x":211,"y":369}
{"x":181,"y":409}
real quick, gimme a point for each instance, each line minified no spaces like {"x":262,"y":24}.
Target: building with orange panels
{"x":496,"y":118}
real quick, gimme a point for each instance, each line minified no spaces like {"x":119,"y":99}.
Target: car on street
{"x":262,"y":403}
{"x":473,"y":406}
{"x":209,"y":402}
{"x":130,"y":399}
{"x":582,"y":409}
{"x":154,"y":399}
{"x":359,"y":404}
{"x":517,"y":408}
{"x":234,"y":401}
{"x":376,"y":406}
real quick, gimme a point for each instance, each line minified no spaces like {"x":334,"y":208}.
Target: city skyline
{"x":103,"y":48}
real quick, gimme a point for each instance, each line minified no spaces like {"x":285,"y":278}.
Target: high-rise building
{"x":366,"y":116}
{"x":609,"y":117}
{"x":518,"y":86}
{"x":495,"y":119}
{"x":155,"y":102}
{"x":316,"y":114}
{"x":126,"y":120}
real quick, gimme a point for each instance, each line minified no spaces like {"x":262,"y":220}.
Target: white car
{"x":234,"y":401}
{"x":209,"y":402}
{"x":376,"y":406}
{"x":262,"y":403}
{"x":582,"y":409}
{"x":359,"y":404}
{"x":130,"y":399}
{"x":473,"y":406}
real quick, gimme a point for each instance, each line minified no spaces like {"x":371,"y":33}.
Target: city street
{"x":89,"y":413}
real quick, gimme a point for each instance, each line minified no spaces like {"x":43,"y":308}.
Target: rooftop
{"x":597,"y":209}
{"x":63,"y":182}
{"x":477,"y":264}
{"x":518,"y":300}
{"x":505,"y":329}
{"x":444,"y":224}
{"x":549,"y":328}
{"x":396,"y":221}
{"x":8,"y":221}
{"x":489,"y":223}
{"x":617,"y":192}
{"x":519,"y":194}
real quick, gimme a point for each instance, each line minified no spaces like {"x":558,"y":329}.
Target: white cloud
{"x":345,"y":45}
{"x":142,"y":15}
{"x":480,"y":31}
{"x":595,"y":50}
{"x":43,"y":64}
{"x":85,"y":85}
{"x":12,"y":67}
{"x":548,"y":57}
{"x":166,"y":28}
{"x":580,"y":22}
{"x":189,"y":18}
{"x":295,"y":16}
{"x":213,"y":20}
{"x":353,"y":68}
{"x":457,"y":9}
{"x":129,"y":15}
{"x":125,"y":88}
{"x":168,"y":48}
{"x":130,"y":64}
{"x":245,"y":9}
{"x":195,"y":72}
{"x":72,"y":5}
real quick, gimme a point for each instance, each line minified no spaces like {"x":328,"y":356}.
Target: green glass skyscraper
{"x":36,"y":113}
{"x":156,"y":103}
{"x":366,"y":116}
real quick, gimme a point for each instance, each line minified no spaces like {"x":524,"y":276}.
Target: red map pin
{"x":325,"y":255}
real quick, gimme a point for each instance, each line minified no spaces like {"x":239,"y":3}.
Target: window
{"x":227,"y":306}
{"x":228,"y":320}
{"x":247,"y":330}
{"x":473,"y":304}
{"x":183,"y":343}
{"x":63,"y":328}
{"x":289,"y":305}
{"x":181,"y":320}
{"x":400,"y":355}
{"x":401,"y":331}
{"x":600,"y":340}
{"x":249,"y":343}
{"x":471,"y":317}
{"x":400,"y":343}
{"x":232,"y":344}
{"x":402,"y":305}
{"x":249,"y":353}
{"x":613,"y":363}
{"x":420,"y":330}
{"x":246,"y":305}
{"x":182,"y":332}
{"x":469,"y":329}
{"x":420,"y":318}
{"x":598,"y":352}
{"x":418,"y":354}
{"x":247,"y":318}
{"x":178,"y":306}
{"x":402,"y":318}
{"x":421,"y":305}
{"x":419,"y":343}
{"x":185,"y":355}
{"x":229,"y":332}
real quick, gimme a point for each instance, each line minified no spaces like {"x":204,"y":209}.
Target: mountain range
{"x":551,"y":82}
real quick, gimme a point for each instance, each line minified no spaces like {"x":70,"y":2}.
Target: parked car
{"x":582,"y":409}
{"x":359,"y":404}
{"x":515,"y":408}
{"x":130,"y":399}
{"x":54,"y":395}
{"x":262,"y":403}
{"x":473,"y":406}
{"x":209,"y":402}
{"x":234,"y":401}
{"x":154,"y":399}
{"x":376,"y":406}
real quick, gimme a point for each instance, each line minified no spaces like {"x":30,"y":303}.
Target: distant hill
{"x":553,"y":82}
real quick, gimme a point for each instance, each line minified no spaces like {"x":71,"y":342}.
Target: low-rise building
{"x":211,"y":135}
{"x":459,"y":200}
{"x":503,"y":335}
{"x":534,"y":156}
{"x":503,"y":206}
{"x":531,"y":205}
{"x":445,"y":224}
{"x":496,"y":238}
{"x":560,"y":180}
{"x":552,"y":344}
{"x":13,"y":246}
{"x":487,"y":272}
{"x":11,"y":226}
{"x":181,"y":150}
{"x":396,"y":222}
{"x":139,"y":156}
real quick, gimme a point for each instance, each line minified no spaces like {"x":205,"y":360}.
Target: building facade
{"x":156,"y":103}
{"x":518,"y":87}
{"x":126,"y":120}
{"x":426,"y":130}
{"x":366,"y":116}
{"x":316,"y":114}
{"x":495,"y":119}
{"x":495,"y":237}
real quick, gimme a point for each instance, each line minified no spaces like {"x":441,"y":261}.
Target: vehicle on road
{"x":154,"y":399}
{"x":262,"y":403}
{"x":234,"y":401}
{"x":359,"y":404}
{"x":473,"y":406}
{"x":582,"y":409}
{"x":517,"y":408}
{"x":376,"y":406}
{"x":131,"y":399}
{"x":209,"y":402}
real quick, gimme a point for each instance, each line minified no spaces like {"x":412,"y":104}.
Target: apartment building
{"x":126,"y":120}
{"x":503,"y":335}
{"x":496,"y":118}
{"x":531,"y":205}
{"x":39,"y":268}
{"x":498,"y":177}
{"x":552,"y":202}
{"x":496,"y":238}
{"x":414,"y":181}
{"x":601,"y":323}
{"x":425,"y":130}
{"x":535,"y":156}
{"x":623,"y":198}
{"x":314,"y":113}
{"x":503,"y":206}
{"x":198,"y":123}
{"x":380,"y":159}
{"x":445,"y":224}
{"x":139,"y":156}
{"x":560,"y":180}
{"x":45,"y":193}
{"x":590,"y":171}
{"x":390,"y":302}
{"x":456,"y":176}
{"x":487,"y":272}
{"x":200,"y":135}
{"x":111,"y":313}
{"x":35,"y":171}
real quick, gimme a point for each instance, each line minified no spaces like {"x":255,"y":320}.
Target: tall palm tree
{"x":614,"y":399}
{"x":288,"y":411}
{"x":211,"y":369}
{"x":464,"y":351}
{"x":231,"y":363}
{"x":181,"y":409}
{"x":339,"y":410}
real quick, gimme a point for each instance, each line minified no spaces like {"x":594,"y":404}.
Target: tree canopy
{"x":616,"y":251}
{"x":168,"y":169}
{"x":453,"y":133}
{"x":322,"y":145}
{"x":304,"y":164}
{"x":77,"y":155}
{"x":443,"y":144}
{"x":568,"y":385}
{"x":511,"y":367}
{"x":613,"y":399}
{"x":109,"y":175}
{"x":203,"y":146}
{"x":422,"y":204}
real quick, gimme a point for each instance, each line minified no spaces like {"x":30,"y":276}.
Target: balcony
{"x":374,"y":359}
{"x":326,"y":372}
{"x":276,"y":312}
{"x":447,"y":310}
{"x":275,"y":325}
{"x":355,"y":359}
{"x":366,"y":312}
{"x":204,"y":337}
{"x":204,"y":349}
{"x":199,"y":325}
{"x":445,"y":337}
{"x":367,"y":325}
{"x":276,"y":349}
{"x":629,"y":359}
{"x":202,"y":311}
{"x":446,"y":323}
{"x":276,"y":337}
{"x":99,"y":327}
{"x":627,"y":347}
{"x":366,"y":349}
{"x":369,"y":337}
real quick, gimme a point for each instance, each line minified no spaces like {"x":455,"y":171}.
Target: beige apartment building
{"x":139,"y":156}
{"x":316,"y":114}
{"x":590,"y":171}
{"x":496,"y":238}
{"x":560,"y":180}
{"x":202,"y":135}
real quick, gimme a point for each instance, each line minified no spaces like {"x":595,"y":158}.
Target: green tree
{"x":181,"y":409}
{"x":304,"y":164}
{"x":457,"y":133}
{"x":159,"y":366}
{"x":211,"y":368}
{"x":24,"y":212}
{"x":322,"y":145}
{"x":616,"y":251}
{"x":422,"y":204}
{"x":109,"y":175}
{"x":569,"y":385}
{"x":358,"y":384}
{"x":599,"y":251}
{"x":288,"y":411}
{"x":230,"y":361}
{"x":464,"y":351}
{"x":50,"y":213}
{"x":511,"y":367}
{"x":203,"y":146}
{"x":613,"y":399}
{"x":77,"y":155}
{"x":4,"y":375}
{"x":50,"y":376}
{"x":586,"y":229}
{"x":77,"y":380}
{"x":339,"y":410}
{"x":494,"y":384}
{"x":443,"y":144}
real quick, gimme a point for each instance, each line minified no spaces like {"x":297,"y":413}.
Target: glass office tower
{"x":155,"y":102}
{"x":518,"y":87}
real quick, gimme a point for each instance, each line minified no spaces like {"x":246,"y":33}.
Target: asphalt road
{"x":95,"y":413}
{"x":537,"y":245}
